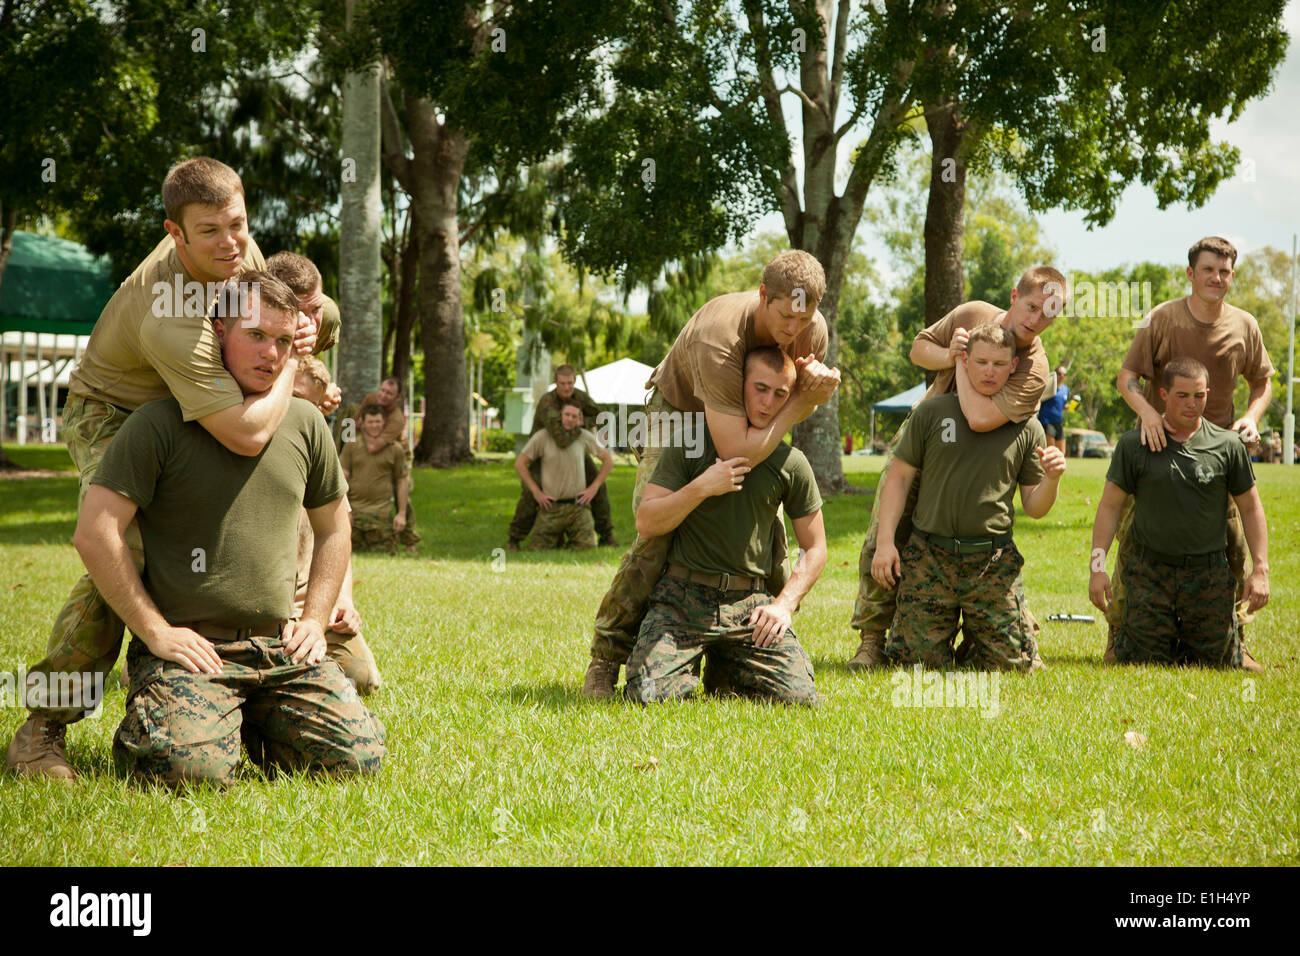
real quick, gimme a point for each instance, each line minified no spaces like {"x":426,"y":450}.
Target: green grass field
{"x":494,"y":758}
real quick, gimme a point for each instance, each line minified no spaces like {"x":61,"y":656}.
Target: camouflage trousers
{"x":526,"y":510}
{"x":87,"y":634}
{"x":1238,"y":552}
{"x":874,"y":608}
{"x":1178,"y":614}
{"x":375,"y":533}
{"x":353,"y":654}
{"x":184,"y":727}
{"x":982,"y":593}
{"x":689,"y":623}
{"x":618,"y":620}
{"x":570,"y":524}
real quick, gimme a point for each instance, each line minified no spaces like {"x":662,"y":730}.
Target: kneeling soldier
{"x":713,"y":600}
{"x":960,"y":566}
{"x":1180,"y":589}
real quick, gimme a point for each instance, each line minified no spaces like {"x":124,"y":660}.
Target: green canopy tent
{"x":51,"y":294}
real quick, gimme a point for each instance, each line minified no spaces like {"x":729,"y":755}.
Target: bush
{"x":498,"y":439}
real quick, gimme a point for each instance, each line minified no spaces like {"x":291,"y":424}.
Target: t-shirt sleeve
{"x":1122,"y":461}
{"x":940,"y":333}
{"x":134,"y":458}
{"x":802,"y":497}
{"x":1031,"y":466}
{"x":535,"y":446}
{"x":1141,"y":353}
{"x":346,"y":456}
{"x":398,"y":465}
{"x":821,"y":340}
{"x":719,"y":373}
{"x":911,"y":447}
{"x":325,"y":482}
{"x":591,"y":442}
{"x":185,"y":352}
{"x":672,"y":471}
{"x":1241,"y":474}
{"x":327,"y":336}
{"x":1258,"y":365}
{"x":1024,"y":390}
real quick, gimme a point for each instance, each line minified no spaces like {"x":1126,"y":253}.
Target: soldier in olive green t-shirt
{"x":960,"y":566}
{"x":713,"y":602}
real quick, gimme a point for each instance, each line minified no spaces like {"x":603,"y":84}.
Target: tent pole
{"x":4,"y":387}
{"x":22,"y":388}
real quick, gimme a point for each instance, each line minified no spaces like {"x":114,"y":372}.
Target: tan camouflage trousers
{"x":375,"y":533}
{"x":182,"y":727}
{"x":1178,"y":615}
{"x":1238,"y":555}
{"x":618,"y":620}
{"x":688,"y":624}
{"x":982,"y":593}
{"x":560,"y":525}
{"x":87,"y":634}
{"x":353,"y":654}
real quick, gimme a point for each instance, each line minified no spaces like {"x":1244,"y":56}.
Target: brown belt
{"x":219,"y":632}
{"x":723,"y":582}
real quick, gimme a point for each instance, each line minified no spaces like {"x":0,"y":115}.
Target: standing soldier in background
{"x":1051,"y":415}
{"x":1227,"y":341}
{"x":389,"y":399}
{"x":376,"y":474}
{"x":547,"y":415}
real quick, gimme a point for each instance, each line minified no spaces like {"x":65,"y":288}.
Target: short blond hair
{"x":1039,"y":277}
{"x":994,"y":334}
{"x":199,"y":181}
{"x":315,"y":371}
{"x":791,"y":270}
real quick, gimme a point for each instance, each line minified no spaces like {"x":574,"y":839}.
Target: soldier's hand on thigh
{"x":886,"y":568}
{"x":304,"y":641}
{"x":770,"y":623}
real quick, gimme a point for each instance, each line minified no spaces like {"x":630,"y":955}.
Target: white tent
{"x":618,"y":383}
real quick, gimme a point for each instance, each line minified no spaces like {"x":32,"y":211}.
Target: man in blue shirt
{"x":1052,"y":412}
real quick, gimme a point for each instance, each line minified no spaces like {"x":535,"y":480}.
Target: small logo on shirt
{"x":1204,"y":473}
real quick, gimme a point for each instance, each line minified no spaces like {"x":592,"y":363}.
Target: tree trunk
{"x":404,"y":309}
{"x":945,"y":287}
{"x":439,"y":160}
{"x":8,"y":225}
{"x":360,"y":235}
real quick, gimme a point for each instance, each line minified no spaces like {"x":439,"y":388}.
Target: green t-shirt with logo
{"x":732,"y":533}
{"x":1182,"y":490}
{"x":220,"y":530}
{"x":969,"y":478}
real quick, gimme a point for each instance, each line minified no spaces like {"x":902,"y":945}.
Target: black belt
{"x":220,"y":632}
{"x":566,"y":501}
{"x":723,"y":582}
{"x":965,"y":545}
{"x":1214,"y":559}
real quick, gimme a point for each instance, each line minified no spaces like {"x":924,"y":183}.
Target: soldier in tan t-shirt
{"x":1036,"y":300}
{"x":704,"y":373}
{"x":377,"y":474}
{"x":1227,"y":341}
{"x":154,"y":339}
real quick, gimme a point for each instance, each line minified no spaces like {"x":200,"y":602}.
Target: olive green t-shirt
{"x":1182,"y":490}
{"x":732,"y":533}
{"x":705,"y":368}
{"x":220,"y":529}
{"x":373,"y":478}
{"x":154,"y":339}
{"x":970,"y":478}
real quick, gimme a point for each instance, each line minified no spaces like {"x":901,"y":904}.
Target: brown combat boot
{"x":601,"y":677}
{"x":39,"y":749}
{"x":870,"y":655}
{"x":1109,"y":656}
{"x":1248,"y":663}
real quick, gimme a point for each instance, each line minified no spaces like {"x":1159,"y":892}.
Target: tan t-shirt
{"x":154,"y":340}
{"x":327,"y":336}
{"x":1020,"y":397}
{"x":563,"y":469}
{"x":706,"y":365}
{"x":1228,"y":347}
{"x":372,"y":479}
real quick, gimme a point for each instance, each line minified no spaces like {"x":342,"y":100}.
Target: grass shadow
{"x":554,"y":694}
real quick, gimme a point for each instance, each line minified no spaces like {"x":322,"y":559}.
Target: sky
{"x":1250,"y":214}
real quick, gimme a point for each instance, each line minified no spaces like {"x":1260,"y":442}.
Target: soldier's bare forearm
{"x":329,"y":565}
{"x":1261,"y":393}
{"x":1255,"y":526}
{"x":1130,"y":389}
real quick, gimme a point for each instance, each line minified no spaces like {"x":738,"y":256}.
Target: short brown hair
{"x":310,"y":367}
{"x":201,"y":180}
{"x":371,"y":409}
{"x":773,"y":358}
{"x":566,"y":370}
{"x":1185,"y":367}
{"x":297,"y":272}
{"x":236,"y":294}
{"x":795,"y":269}
{"x":1039,"y":277}
{"x":994,"y":334}
{"x":1213,"y":244}
{"x":571,"y":403}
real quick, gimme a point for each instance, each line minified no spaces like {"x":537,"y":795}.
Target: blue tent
{"x":902,"y":402}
